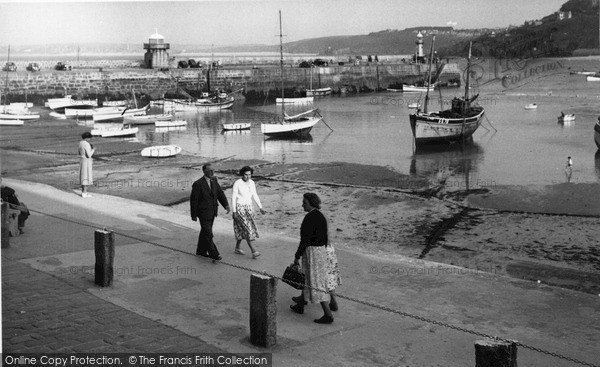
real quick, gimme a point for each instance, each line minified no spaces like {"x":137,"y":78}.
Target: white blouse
{"x":243,"y":193}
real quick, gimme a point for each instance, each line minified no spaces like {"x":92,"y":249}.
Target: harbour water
{"x":530,"y":147}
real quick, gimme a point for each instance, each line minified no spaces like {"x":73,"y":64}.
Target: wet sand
{"x":539,"y":233}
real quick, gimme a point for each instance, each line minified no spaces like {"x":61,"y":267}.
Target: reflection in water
{"x":568,"y":123}
{"x":453,"y":165}
{"x":166,"y":129}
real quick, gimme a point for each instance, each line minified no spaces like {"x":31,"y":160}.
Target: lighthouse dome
{"x":157,"y":38}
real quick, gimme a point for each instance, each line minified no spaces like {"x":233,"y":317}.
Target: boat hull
{"x":59,"y":104}
{"x":161,"y":151}
{"x":593,"y":78}
{"x":20,"y":116}
{"x":321,"y":92}
{"x":147,"y":119}
{"x":115,"y":133}
{"x":290,"y":129}
{"x":201,"y":107}
{"x":431,"y":129}
{"x":11,"y":122}
{"x":119,"y":116}
{"x":239,"y":126}
{"x":301,"y":100}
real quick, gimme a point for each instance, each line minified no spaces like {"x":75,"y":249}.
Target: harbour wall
{"x":257,"y":82}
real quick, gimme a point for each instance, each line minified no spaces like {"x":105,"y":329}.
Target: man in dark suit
{"x":204,"y":205}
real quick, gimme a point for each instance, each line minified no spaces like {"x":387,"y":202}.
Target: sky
{"x":225,"y":22}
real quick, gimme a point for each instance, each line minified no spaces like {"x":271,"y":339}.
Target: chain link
{"x":352,"y":299}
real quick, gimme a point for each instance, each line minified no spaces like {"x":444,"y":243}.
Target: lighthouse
{"x":157,"y":55}
{"x":419,"y":55}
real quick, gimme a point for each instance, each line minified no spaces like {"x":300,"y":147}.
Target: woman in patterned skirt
{"x":318,"y":261}
{"x":244,"y":227}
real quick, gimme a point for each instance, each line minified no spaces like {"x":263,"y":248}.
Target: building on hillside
{"x":157,"y":55}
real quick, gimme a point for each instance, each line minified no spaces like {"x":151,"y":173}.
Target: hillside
{"x":387,"y":42}
{"x":574,"y":27}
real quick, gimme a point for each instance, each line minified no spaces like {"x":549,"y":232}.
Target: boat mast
{"x":429,"y":75}
{"x":464,"y":105}
{"x":6,"y":81}
{"x":467,"y":78}
{"x":281,"y":62}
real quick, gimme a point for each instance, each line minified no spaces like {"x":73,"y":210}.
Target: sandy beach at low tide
{"x":546,"y":233}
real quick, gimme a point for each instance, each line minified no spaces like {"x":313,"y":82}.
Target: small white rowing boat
{"x":11,"y":122}
{"x":237,"y":126}
{"x":115,"y":133}
{"x":566,"y":118}
{"x":147,"y":119}
{"x":531,"y":106}
{"x":299,"y":100}
{"x":161,"y":151}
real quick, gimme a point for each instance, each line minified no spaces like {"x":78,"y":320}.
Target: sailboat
{"x":318,"y":92}
{"x":298,"y":125}
{"x":455,"y":124}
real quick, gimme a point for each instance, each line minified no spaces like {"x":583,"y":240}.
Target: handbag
{"x":293,"y":276}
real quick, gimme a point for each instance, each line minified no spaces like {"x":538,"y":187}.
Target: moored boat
{"x":11,"y":122}
{"x":119,"y":114}
{"x":296,"y":100}
{"x":19,"y":116}
{"x":531,"y":106}
{"x":59,"y":104}
{"x":115,"y":132}
{"x":201,"y":105}
{"x":455,"y":124}
{"x":569,"y":117}
{"x":237,"y":126}
{"x":161,"y":151}
{"x":417,"y":88}
{"x":147,"y":119}
{"x":319,"y":92}
{"x":593,"y":78}
{"x":298,"y":126}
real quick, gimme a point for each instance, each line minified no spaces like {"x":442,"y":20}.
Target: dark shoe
{"x":324,"y":320}
{"x":21,"y":231}
{"x":297,"y":308}
{"x":299,"y":300}
{"x":333,"y":306}
{"x":218,"y":258}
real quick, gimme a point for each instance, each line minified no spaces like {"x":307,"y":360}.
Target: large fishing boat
{"x":455,"y":124}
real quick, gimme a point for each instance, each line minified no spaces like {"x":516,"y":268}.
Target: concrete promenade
{"x":165,"y":299}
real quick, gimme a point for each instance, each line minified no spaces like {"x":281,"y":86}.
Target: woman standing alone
{"x":244,"y":227}
{"x":86,"y":151}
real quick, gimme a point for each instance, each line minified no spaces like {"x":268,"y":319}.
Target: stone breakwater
{"x":112,"y":82}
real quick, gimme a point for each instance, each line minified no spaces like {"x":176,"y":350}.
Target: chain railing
{"x":349,"y":298}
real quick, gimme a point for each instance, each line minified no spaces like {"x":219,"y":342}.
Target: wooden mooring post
{"x":263,"y":310}
{"x":492,"y":353}
{"x":104,"y":249}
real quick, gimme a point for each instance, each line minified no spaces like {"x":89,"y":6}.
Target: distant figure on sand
{"x":86,"y":151}
{"x":318,"y":261}
{"x":569,"y":169}
{"x":244,"y":228}
{"x":204,"y":205}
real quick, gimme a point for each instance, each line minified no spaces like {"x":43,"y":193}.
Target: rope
{"x":352,"y":299}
